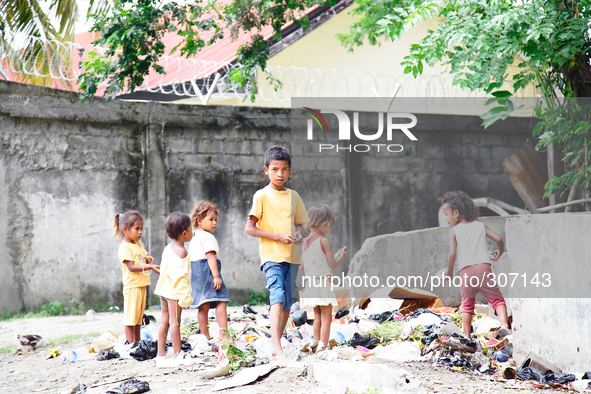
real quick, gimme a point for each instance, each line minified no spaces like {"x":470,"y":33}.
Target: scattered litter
{"x":222,"y":369}
{"x":246,"y":376}
{"x":28,"y":343}
{"x":130,"y":386}
{"x":107,"y":354}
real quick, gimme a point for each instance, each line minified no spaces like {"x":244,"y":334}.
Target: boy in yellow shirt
{"x":276,"y":217}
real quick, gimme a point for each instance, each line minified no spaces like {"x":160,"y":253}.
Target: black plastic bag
{"x":185,"y":346}
{"x":382,"y":317}
{"x":294,"y":307}
{"x":247,"y":309}
{"x":299,"y":317}
{"x":342,"y":313}
{"x":366,"y":341}
{"x":430,"y":338}
{"x":146,"y":350}
{"x":530,"y":373}
{"x":561,"y":378}
{"x":587,"y":376}
{"x":130,"y":386}
{"x":104,"y":355}
{"x":147,"y":319}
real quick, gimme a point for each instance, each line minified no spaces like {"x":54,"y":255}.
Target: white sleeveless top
{"x":472,"y":248}
{"x":313,"y":257}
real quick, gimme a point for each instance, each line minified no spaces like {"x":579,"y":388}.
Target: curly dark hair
{"x":460,"y":201}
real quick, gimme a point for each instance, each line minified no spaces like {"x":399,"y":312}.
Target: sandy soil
{"x":32,"y":373}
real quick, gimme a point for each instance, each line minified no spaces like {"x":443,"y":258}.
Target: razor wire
{"x":188,"y":78}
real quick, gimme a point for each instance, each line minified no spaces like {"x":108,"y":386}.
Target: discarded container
{"x":508,"y":373}
{"x":72,"y":355}
{"x":501,"y":356}
{"x":536,"y":361}
{"x":149,"y":332}
{"x":343,"y":332}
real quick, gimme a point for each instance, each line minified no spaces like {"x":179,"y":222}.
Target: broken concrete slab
{"x":351,"y":376}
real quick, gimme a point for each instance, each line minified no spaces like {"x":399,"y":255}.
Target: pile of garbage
{"x":381,"y":329}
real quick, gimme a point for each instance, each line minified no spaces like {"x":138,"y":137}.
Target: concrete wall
{"x":67,"y":167}
{"x":419,"y":253}
{"x":558,"y":329}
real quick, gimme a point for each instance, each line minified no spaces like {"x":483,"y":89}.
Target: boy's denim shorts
{"x":280,"y":282}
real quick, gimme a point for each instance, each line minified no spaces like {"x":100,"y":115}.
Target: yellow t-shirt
{"x":278,"y":212}
{"x":174,"y":282}
{"x":133,"y":252}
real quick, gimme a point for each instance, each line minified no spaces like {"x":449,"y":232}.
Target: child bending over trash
{"x":467,"y":242}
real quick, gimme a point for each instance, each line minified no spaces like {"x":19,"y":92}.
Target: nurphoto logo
{"x":345,"y":130}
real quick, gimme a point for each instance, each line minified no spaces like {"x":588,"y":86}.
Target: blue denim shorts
{"x":280,"y":282}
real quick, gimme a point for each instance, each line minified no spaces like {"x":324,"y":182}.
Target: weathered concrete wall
{"x":419,"y":253}
{"x":558,"y":329}
{"x":67,"y":167}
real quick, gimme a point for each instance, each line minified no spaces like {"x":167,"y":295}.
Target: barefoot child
{"x":207,"y":268}
{"x":467,"y":242}
{"x":174,"y":284}
{"x":128,"y":226}
{"x":276,"y":217}
{"x":318,"y":262}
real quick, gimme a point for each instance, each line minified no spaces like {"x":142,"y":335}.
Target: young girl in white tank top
{"x":318,"y":262}
{"x":467,"y":243}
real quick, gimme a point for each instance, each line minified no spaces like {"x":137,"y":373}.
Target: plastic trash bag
{"x":299,"y":317}
{"x":104,"y":355}
{"x":530,"y":373}
{"x":342,"y":313}
{"x":146,"y":350}
{"x":248,"y":310}
{"x":382,"y":317}
{"x":147,"y":319}
{"x":561,"y":378}
{"x":364,"y":340}
{"x":131,"y":386}
{"x":294,"y":307}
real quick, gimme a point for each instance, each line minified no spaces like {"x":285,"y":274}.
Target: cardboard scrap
{"x":246,"y":376}
{"x":413,"y":298}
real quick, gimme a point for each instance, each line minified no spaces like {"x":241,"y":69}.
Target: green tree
{"x":133,"y":32}
{"x":27,"y":28}
{"x":478,"y":40}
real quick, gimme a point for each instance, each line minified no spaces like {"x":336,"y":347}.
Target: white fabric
{"x":202,"y":243}
{"x":471,"y":239}
{"x":314,"y":259}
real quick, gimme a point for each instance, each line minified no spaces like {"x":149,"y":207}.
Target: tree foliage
{"x":27,"y":25}
{"x":133,"y":34}
{"x":478,"y":40}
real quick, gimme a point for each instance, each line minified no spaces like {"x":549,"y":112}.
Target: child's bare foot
{"x":278,"y":357}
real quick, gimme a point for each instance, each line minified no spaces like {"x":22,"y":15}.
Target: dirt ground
{"x":32,"y":373}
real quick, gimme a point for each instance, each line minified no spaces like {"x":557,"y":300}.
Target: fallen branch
{"x":563,"y":205}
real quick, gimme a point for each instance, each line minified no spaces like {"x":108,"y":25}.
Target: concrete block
{"x":237,"y":147}
{"x":433,"y":151}
{"x":250,"y":163}
{"x":134,"y":144}
{"x":208,"y":146}
{"x":198,"y":161}
{"x":471,"y":138}
{"x":329,"y":164}
{"x":350,"y":376}
{"x":223,"y":162}
{"x":179,"y":144}
{"x":259,"y":148}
